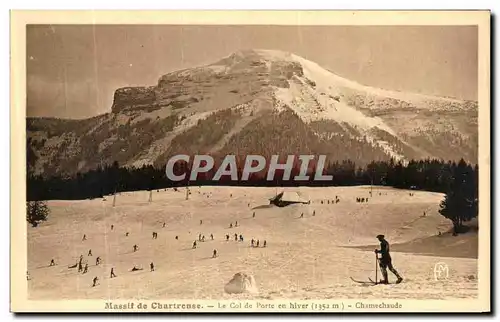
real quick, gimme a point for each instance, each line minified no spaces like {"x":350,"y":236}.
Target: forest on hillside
{"x":429,"y":175}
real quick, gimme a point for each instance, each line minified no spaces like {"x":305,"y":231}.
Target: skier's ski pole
{"x":376,"y":268}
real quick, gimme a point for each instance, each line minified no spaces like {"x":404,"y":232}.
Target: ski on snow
{"x":370,"y":282}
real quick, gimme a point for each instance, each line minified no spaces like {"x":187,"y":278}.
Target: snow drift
{"x":241,"y":283}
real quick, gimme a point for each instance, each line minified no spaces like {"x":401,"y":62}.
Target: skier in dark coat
{"x":385,"y":260}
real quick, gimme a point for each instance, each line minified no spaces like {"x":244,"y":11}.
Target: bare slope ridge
{"x":304,"y":258}
{"x":145,"y":122}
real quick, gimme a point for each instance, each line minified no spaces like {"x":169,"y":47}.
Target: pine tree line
{"x":429,"y":175}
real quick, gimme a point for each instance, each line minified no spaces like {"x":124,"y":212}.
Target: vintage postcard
{"x":250,"y":161}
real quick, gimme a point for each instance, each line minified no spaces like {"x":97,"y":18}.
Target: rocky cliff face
{"x":257,"y":101}
{"x":130,"y":97}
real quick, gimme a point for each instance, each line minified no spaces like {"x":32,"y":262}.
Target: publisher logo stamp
{"x":441,"y":271}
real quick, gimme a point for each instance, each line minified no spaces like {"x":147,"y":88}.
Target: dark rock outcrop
{"x":132,"y":96}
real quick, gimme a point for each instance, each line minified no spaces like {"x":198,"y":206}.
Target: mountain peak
{"x":262,"y":55}
{"x":270,"y":54}
{"x":259,"y":101}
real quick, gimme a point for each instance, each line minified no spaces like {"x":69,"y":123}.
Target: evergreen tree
{"x":460,"y":203}
{"x":36,"y":212}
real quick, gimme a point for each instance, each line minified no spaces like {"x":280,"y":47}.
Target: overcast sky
{"x":74,"y":70}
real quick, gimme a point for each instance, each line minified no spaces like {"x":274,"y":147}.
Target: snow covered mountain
{"x":259,"y":102}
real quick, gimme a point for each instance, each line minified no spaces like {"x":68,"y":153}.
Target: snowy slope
{"x":305,"y":258}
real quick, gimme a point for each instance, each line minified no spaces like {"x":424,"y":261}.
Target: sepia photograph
{"x":262,"y":164}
